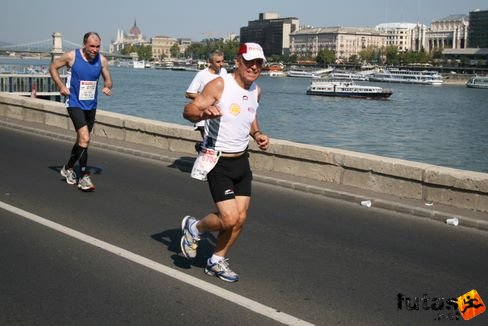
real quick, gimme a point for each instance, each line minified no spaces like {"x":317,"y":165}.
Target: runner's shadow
{"x":171,"y":239}
{"x":184,"y":163}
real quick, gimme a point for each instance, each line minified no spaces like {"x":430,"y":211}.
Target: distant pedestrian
{"x":84,"y":67}
{"x":215,"y":69}
{"x":230,"y":105}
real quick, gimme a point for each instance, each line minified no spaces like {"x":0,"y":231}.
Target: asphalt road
{"x":302,"y":258}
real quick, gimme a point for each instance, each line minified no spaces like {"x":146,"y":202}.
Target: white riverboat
{"x":350,"y":75}
{"x":273,"y":73}
{"x":341,"y":88}
{"x":478,"y":82}
{"x":424,"y":77}
{"x":309,"y":73}
{"x":139,"y":64}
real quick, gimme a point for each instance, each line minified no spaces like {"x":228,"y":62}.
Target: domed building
{"x":122,"y":40}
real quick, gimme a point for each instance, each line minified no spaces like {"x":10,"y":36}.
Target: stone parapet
{"x":404,"y":179}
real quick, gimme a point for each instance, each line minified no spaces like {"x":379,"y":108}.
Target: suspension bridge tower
{"x":57,"y":49}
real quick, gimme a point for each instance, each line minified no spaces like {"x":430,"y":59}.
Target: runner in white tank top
{"x":229,"y":104}
{"x":238,"y":107}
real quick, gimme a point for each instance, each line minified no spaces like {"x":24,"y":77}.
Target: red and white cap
{"x":251,"y":51}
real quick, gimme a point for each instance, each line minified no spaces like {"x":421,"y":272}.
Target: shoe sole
{"x":211,"y":273}
{"x":182,"y":241}
{"x":86,"y":189}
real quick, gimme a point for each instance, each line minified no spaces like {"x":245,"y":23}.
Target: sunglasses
{"x":250,"y":63}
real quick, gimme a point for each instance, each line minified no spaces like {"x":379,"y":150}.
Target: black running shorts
{"x":231,"y":177}
{"x":82,"y":118}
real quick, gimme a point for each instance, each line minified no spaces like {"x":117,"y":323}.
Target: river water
{"x":442,"y":125}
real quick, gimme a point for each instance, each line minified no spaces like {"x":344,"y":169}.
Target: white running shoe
{"x":222,"y":270}
{"x":189,"y":242}
{"x":86,"y":184}
{"x":70,"y":175}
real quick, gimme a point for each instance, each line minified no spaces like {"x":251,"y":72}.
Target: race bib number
{"x":87,"y":90}
{"x":204,"y":163}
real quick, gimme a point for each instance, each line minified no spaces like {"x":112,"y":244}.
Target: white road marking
{"x":210,"y":288}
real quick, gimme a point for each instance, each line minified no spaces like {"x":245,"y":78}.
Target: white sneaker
{"x":70,"y":175}
{"x":86,"y":184}
{"x":222,"y":270}
{"x":189,"y":242}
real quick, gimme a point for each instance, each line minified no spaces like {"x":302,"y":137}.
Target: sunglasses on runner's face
{"x":250,"y":63}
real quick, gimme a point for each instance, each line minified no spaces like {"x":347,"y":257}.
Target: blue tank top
{"x":82,"y":82}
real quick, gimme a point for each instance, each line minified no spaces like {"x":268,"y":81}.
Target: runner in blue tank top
{"x":84,"y":67}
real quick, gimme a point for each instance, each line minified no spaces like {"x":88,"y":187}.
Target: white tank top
{"x":230,"y":132}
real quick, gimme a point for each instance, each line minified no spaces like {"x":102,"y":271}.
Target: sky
{"x":28,"y":21}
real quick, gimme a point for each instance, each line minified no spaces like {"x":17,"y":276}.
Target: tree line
{"x":389,"y":55}
{"x":198,"y":50}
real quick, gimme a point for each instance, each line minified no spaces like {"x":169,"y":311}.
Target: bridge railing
{"x":28,"y":80}
{"x":27,"y":84}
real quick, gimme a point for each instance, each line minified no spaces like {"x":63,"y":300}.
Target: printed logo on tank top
{"x":235,"y":109}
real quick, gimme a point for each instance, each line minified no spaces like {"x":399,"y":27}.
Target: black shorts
{"x":231,"y":177}
{"x":82,"y":118}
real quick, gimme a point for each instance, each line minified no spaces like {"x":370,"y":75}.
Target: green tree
{"x":275,"y":58}
{"x":367,"y":54}
{"x":391,"y":53}
{"x":230,"y":49}
{"x":202,"y":49}
{"x":195,"y":51}
{"x":144,"y":52}
{"x":422,"y":56}
{"x":354,"y":59}
{"x":127,"y":50}
{"x":175,"y":50}
{"x":437,"y":53}
{"x":325,"y":57}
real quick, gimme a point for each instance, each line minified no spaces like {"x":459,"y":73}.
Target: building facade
{"x":405,"y":36}
{"x":271,"y":32}
{"x":161,"y":46}
{"x":344,"y":41}
{"x":448,"y":33}
{"x":478,"y":29}
{"x":123,"y":40}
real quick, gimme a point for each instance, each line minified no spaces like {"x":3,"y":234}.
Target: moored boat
{"x":309,"y":74}
{"x":139,"y":64}
{"x":425,"y":77}
{"x":341,"y":88}
{"x":350,"y":75}
{"x":273,"y":66}
{"x":478,"y":82}
{"x":270,"y":73}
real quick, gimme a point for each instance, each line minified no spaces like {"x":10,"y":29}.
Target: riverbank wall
{"x":404,"y":179}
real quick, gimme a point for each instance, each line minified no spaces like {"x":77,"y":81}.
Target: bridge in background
{"x":35,"y":81}
{"x":48,"y":48}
